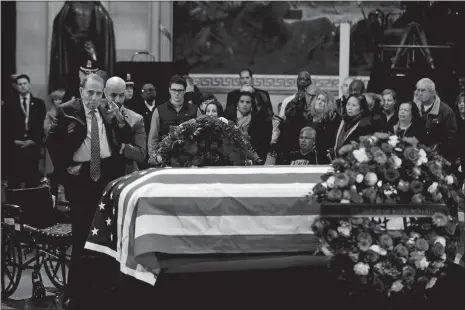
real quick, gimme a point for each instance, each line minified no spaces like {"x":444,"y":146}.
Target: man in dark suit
{"x":145,"y":105}
{"x":246,"y":78}
{"x":86,"y":143}
{"x":23,"y":117}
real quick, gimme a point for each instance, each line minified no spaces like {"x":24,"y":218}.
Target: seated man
{"x":307,"y":154}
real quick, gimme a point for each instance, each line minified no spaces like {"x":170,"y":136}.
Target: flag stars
{"x":114,"y":211}
{"x":101,"y":206}
{"x":94,"y":231}
{"x":111,"y":237}
{"x":108,"y":221}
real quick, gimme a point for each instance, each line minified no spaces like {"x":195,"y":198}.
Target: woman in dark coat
{"x":409,"y":122}
{"x":355,"y":124}
{"x":459,"y":110}
{"x":253,"y":123}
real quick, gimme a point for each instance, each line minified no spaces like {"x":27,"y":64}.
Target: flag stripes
{"x":215,"y":210}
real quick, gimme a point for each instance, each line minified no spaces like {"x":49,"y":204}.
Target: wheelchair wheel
{"x":12,"y":261}
{"x":57,"y":265}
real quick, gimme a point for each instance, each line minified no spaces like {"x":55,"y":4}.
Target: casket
{"x":229,"y":235}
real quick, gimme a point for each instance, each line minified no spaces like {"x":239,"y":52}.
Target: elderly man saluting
{"x":90,"y":142}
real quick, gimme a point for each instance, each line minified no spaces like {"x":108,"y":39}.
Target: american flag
{"x":227,"y":210}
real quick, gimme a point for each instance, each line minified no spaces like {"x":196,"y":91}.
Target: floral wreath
{"x":382,"y":169}
{"x":205,"y":141}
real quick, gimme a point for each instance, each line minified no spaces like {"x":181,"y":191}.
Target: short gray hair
{"x":309,"y":129}
{"x":92,"y":76}
{"x":429,"y":83}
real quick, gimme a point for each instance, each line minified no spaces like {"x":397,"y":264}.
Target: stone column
{"x":154,"y":33}
{"x":344,"y":52}
{"x":166,"y":21}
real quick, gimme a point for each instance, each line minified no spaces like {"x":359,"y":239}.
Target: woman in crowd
{"x":257,"y":127}
{"x":390,"y":107}
{"x":376,"y":111}
{"x":409,"y":122}
{"x":318,"y":113}
{"x":355,"y":124}
{"x":214,"y":108}
{"x":57,"y":99}
{"x":460,"y":117}
{"x":204,"y":100}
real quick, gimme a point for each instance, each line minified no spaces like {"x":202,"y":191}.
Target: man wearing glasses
{"x":172,"y":113}
{"x":438,"y":118}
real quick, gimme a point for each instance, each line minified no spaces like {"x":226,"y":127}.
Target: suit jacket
{"x":135,"y":150}
{"x":69,"y":130}
{"x":139,"y":107}
{"x":13,"y":120}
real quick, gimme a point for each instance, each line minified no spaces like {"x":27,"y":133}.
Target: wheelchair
{"x":35,"y":234}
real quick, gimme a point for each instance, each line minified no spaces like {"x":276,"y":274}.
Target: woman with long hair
{"x":257,"y":128}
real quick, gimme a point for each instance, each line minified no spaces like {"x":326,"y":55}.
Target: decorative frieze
{"x":274,"y":84}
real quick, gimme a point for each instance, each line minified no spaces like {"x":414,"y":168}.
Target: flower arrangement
{"x":383,"y":169}
{"x":205,"y":141}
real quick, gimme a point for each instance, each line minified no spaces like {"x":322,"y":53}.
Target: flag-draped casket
{"x":215,"y":210}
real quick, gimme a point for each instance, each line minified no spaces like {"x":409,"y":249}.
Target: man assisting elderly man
{"x":91,"y":142}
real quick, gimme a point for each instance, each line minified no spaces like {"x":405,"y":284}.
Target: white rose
{"x":359,"y":178}
{"x":422,"y":263}
{"x":397,"y":286}
{"x":431,"y":282}
{"x":330,"y":181}
{"x":377,"y":249}
{"x":440,"y":240}
{"x":345,"y":201}
{"x":360,"y":155}
{"x":433,"y":187}
{"x":449,"y":180}
{"x":344,"y":230}
{"x":380,"y":183}
{"x":393,"y":140}
{"x":361,"y":269}
{"x":397,"y":161}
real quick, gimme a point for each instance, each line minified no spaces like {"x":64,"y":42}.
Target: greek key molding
{"x":274,"y":84}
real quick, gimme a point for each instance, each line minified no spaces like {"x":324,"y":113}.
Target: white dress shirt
{"x":83,"y":153}
{"x":150,"y":107}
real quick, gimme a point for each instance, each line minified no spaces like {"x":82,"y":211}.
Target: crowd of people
{"x":104,"y":130}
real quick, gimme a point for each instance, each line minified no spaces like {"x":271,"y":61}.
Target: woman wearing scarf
{"x":255,"y":126}
{"x":355,"y":124}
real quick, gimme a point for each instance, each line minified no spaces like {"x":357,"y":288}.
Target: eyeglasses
{"x":150,"y":90}
{"x":177,"y":91}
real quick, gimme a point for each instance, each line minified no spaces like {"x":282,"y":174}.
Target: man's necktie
{"x":26,"y":115}
{"x":94,"y":149}
{"x":25,"y":105}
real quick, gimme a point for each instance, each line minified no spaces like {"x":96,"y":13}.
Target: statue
{"x":81,"y":30}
